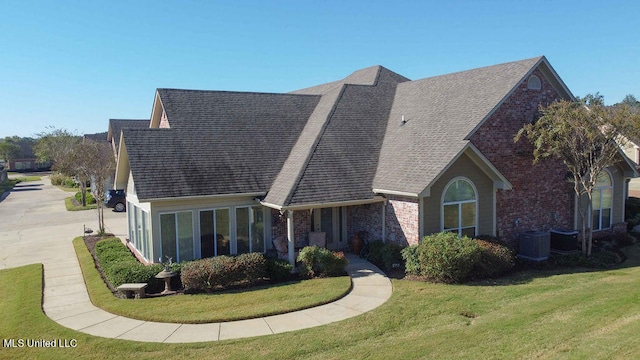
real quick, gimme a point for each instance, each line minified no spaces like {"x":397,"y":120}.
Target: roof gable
{"x":431,"y":120}
{"x":218,"y":143}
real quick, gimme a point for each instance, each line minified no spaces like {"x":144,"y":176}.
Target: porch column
{"x":290,"y":238}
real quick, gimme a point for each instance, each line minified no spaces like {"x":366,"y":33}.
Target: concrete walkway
{"x":66,"y":301}
{"x":35,"y":228}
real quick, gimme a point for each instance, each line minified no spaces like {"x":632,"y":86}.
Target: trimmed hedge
{"x":495,"y":260}
{"x":321,"y":262}
{"x":220,"y":272}
{"x":446,"y":257}
{"x":120,"y":266}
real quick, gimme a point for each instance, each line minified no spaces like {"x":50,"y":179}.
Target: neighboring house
{"x":222,"y":172}
{"x":115,"y":129}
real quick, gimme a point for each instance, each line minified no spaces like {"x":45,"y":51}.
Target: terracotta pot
{"x":356,"y":244}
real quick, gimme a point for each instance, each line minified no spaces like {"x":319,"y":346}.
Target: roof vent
{"x":534,"y":83}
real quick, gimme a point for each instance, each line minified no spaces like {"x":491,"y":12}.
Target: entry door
{"x":331,"y":221}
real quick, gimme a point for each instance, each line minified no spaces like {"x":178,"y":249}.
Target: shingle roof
{"x":336,"y":155}
{"x":219,"y":143}
{"x":116,"y":126}
{"x":441,"y":113}
{"x":329,"y":143}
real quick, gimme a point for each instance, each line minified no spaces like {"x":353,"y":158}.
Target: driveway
{"x":34,"y":221}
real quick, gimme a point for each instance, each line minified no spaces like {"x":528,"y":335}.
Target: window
{"x":534,"y":83}
{"x":459,"y":208}
{"x":176,"y":234}
{"x":601,"y":202}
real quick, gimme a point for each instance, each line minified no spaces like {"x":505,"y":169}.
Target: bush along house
{"x":221,"y":172}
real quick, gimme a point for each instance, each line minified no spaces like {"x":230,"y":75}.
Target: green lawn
{"x":207,"y":308}
{"x":534,"y":314}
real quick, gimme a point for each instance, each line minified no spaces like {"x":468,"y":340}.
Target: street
{"x":34,"y":221}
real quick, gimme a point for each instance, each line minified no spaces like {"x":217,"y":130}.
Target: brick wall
{"x":301,"y":226}
{"x":541,"y":197}
{"x":401,"y":220}
{"x":367,"y":217}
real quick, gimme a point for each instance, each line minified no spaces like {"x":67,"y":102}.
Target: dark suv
{"x":117,"y":200}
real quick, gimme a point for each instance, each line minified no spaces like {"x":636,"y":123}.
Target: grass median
{"x":238,"y":304}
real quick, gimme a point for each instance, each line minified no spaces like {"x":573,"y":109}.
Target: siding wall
{"x":463,"y":167}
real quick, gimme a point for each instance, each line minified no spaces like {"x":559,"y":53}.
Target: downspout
{"x":384,"y":221}
{"x":290,"y":238}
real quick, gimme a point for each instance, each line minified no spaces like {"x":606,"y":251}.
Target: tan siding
{"x":465,"y":167}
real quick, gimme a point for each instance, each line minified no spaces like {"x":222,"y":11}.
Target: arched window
{"x":459,"y":208}
{"x":534,"y":83}
{"x":601,"y":202}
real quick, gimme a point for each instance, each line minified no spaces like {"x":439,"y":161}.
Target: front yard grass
{"x":533,"y":314}
{"x":206,"y":308}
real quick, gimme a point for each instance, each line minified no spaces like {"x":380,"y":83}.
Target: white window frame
{"x":459,"y":203}
{"x":600,"y":208}
{"x":193,"y":234}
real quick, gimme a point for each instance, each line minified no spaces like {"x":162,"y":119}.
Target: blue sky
{"x":76,"y":64}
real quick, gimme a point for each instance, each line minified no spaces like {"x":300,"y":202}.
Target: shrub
{"x":278,"y":270}
{"x":495,"y":260}
{"x":411,"y":261}
{"x":391,"y":254}
{"x":89,"y":197}
{"x":317,"y":262}
{"x":59,"y":179}
{"x":120,"y":266}
{"x":375,"y":253}
{"x":602,"y":259}
{"x":384,"y":255}
{"x":195,"y":275}
{"x":220,"y":272}
{"x":252,"y":266}
{"x":447,"y":257}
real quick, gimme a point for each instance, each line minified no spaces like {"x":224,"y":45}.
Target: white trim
{"x":177,"y":244}
{"x":459,"y":203}
{"x":216,"y":196}
{"x":494,"y":230}
{"x":397,"y":193}
{"x":499,"y":181}
{"x":375,"y":199}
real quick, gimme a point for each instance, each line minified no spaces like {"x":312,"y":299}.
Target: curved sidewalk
{"x":66,"y":301}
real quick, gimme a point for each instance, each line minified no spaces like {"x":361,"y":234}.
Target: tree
{"x":9,"y":149}
{"x":586,"y":136}
{"x":55,"y":146}
{"x":101,"y":169}
{"x":631,"y":101}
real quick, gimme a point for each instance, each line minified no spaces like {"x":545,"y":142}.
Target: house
{"x":219,"y":172}
{"x":115,"y":129}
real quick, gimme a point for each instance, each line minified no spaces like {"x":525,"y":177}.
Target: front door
{"x":331,"y":221}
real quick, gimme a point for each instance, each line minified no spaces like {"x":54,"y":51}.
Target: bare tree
{"x":586,"y":136}
{"x":101,"y":170}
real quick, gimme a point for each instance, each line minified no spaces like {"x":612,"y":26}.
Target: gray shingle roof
{"x":219,"y":143}
{"x":441,"y":113}
{"x":336,"y":155}
{"x":116,"y":126}
{"x":329,"y":143}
